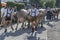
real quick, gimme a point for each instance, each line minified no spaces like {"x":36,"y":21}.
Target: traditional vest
{"x":33,"y":12}
{"x":8,"y":12}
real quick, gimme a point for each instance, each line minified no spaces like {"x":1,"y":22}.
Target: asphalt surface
{"x":50,"y":31}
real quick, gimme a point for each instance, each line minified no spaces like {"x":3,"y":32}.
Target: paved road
{"x":54,"y":33}
{"x":23,"y":34}
{"x":48,"y":32}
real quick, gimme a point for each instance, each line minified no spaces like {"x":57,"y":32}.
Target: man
{"x":15,"y":9}
{"x":3,"y":15}
{"x":8,"y":15}
{"x":49,"y":14}
{"x":15,"y":14}
{"x":34,"y":13}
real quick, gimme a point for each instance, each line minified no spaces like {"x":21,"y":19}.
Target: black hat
{"x":33,"y":5}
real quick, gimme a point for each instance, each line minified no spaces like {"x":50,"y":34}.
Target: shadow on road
{"x":57,"y":20}
{"x":0,"y":20}
{"x":51,"y":25}
{"x":20,"y":32}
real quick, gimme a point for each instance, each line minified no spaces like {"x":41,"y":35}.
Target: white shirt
{"x":3,"y":12}
{"x":32,"y":13}
{"x":9,"y":11}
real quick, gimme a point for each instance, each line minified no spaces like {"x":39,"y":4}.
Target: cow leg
{"x":5,"y":31}
{"x":17,"y":24}
{"x":54,"y":17}
{"x":32,"y":29}
{"x":57,"y":16}
{"x":36,"y":24}
{"x":2,"y":22}
{"x":5,"y":23}
{"x":44,"y":19}
{"x":11,"y":22}
{"x":11,"y":25}
{"x":28,"y":24}
{"x":22,"y":25}
{"x":41,"y":24}
{"x":36,"y":28}
{"x":33,"y":26}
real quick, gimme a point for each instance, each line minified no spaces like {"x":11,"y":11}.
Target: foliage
{"x":44,"y":3}
{"x":19,"y":5}
{"x":57,"y":3}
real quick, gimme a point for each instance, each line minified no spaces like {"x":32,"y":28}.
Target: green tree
{"x":18,"y":5}
{"x":44,"y":3}
{"x":50,"y":3}
{"x":40,"y":3}
{"x":57,"y":3}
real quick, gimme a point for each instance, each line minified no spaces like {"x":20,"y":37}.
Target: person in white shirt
{"x":3,"y":12}
{"x":34,"y":13}
{"x":8,"y":15}
{"x":3,"y":15}
{"x":15,"y":9}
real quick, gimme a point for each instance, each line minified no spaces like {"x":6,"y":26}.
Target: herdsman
{"x":34,"y":13}
{"x":6,"y":17}
{"x":49,"y":14}
{"x":3,"y":14}
{"x":9,"y":16}
{"x":15,"y":14}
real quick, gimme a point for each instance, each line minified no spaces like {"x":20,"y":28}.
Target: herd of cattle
{"x":23,"y":16}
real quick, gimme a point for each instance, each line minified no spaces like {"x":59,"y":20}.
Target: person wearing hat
{"x":34,"y":13}
{"x":3,"y":15}
{"x":6,"y":15}
{"x":3,"y":11}
{"x":49,"y":14}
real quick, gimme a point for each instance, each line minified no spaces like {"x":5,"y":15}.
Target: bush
{"x":50,"y":3}
{"x":57,"y":3}
{"x":19,"y":5}
{"x":10,"y":4}
{"x":45,"y":3}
